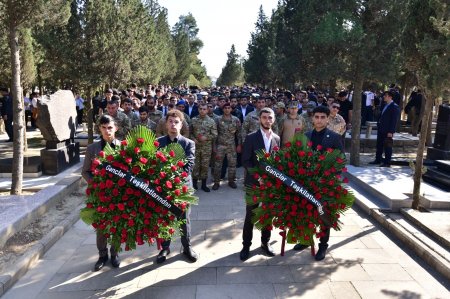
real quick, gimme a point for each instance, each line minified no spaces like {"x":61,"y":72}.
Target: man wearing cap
{"x":280,"y":116}
{"x":203,"y":133}
{"x":251,"y":121}
{"x":292,"y":124}
{"x":229,"y":130}
{"x":180,"y":106}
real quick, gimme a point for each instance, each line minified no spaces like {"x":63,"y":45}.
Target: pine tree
{"x":232,"y":73}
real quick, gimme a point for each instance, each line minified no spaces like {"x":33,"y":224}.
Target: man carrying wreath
{"x":322,"y":138}
{"x":174,"y":122}
{"x":265,"y":139}
{"x":107,"y":127}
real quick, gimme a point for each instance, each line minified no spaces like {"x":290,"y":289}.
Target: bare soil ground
{"x":20,"y":242}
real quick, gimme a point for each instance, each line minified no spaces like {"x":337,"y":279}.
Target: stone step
{"x":438,"y":178}
{"x":443,"y":165}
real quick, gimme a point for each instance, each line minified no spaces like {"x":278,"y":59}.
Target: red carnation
{"x":109,"y":184}
{"x":89,"y":205}
{"x":309,"y":144}
{"x":287,"y":144}
{"x":330,"y":150}
{"x":112,"y":206}
{"x":140,"y":140}
{"x":298,"y":143}
{"x":171,"y":231}
{"x":345,"y":180}
{"x":267,"y":155}
{"x":276,"y":148}
{"x":169,"y":184}
{"x":123,"y":153}
{"x":184,"y":174}
{"x":115,"y":192}
{"x":128,"y":160}
{"x":339,"y":160}
{"x":131,"y":222}
{"x":137,"y":150}
{"x":143,"y":160}
{"x":180,"y":164}
{"x":124,"y":142}
{"x":321,"y":157}
{"x":135,"y":170}
{"x":184,"y":189}
{"x":121,"y":206}
{"x":151,"y":171}
{"x":177,"y":192}
{"x":156,"y":143}
{"x":101,"y":154}
{"x":172,"y":154}
{"x":162,"y":174}
{"x":301,"y":153}
{"x":110,"y":158}
{"x":121,"y":182}
{"x":319,"y":147}
{"x":129,"y":191}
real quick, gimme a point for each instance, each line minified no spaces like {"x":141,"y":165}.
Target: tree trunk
{"x":18,"y":112}
{"x":429,"y":141}
{"x":356,"y":118}
{"x":421,"y":147}
{"x":90,"y":115}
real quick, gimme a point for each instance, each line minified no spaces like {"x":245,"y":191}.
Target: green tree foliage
{"x":233,"y":72}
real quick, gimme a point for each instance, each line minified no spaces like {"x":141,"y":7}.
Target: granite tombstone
{"x":56,"y":121}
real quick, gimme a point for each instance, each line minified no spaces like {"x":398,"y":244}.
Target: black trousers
{"x":102,"y":245}
{"x":382,"y":145}
{"x":185,"y":230}
{"x":247,"y":232}
{"x":9,"y":126}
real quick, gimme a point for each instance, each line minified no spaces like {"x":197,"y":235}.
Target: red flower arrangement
{"x":137,"y":190}
{"x":300,"y":190}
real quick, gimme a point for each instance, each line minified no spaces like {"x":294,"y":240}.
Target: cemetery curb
{"x":32,"y":255}
{"x":421,"y":249}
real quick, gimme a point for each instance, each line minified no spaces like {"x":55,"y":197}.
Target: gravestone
{"x":439,"y":175}
{"x":56,"y":121}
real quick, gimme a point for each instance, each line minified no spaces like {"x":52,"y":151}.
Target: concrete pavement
{"x":364,"y":261}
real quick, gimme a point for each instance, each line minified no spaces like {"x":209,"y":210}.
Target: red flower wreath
{"x":125,"y":213}
{"x":284,"y":207}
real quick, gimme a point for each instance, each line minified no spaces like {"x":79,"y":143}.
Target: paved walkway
{"x":363,"y":262}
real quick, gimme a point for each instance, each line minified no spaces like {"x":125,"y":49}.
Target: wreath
{"x":300,"y":191}
{"x":138,"y":191}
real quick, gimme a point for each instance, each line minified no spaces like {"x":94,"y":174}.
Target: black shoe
{"x":300,"y":247}
{"x":190,"y":254}
{"x":161,"y":258}
{"x":115,"y":261}
{"x":216,"y":186}
{"x":374,"y":162}
{"x":204,"y":187}
{"x":101,"y":262}
{"x":268,"y":250}
{"x":245,"y":253}
{"x":385,"y":165}
{"x":194,"y":184}
{"x":232,"y":185}
{"x":320,"y":255}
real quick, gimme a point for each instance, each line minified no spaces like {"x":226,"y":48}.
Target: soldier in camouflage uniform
{"x":211,"y":113}
{"x":308,"y":117}
{"x":292,"y":124}
{"x":203,"y":132}
{"x":229,"y":130}
{"x":154,"y":114}
{"x":251,"y":122}
{"x":122,"y":121}
{"x":336,"y":122}
{"x":127,"y":106}
{"x":144,"y":120}
{"x":280,"y":116}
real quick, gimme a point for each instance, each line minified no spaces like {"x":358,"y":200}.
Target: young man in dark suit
{"x":191,"y":108}
{"x":265,"y":139}
{"x":107,"y":128}
{"x":323,"y":136}
{"x":174,"y":123}
{"x":386,"y":129}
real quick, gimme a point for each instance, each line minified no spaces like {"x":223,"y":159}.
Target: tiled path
{"x":363,"y":262}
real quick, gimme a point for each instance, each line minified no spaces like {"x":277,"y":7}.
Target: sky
{"x":221,"y":24}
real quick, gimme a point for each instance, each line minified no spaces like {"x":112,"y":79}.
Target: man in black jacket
{"x":265,"y":139}
{"x":174,"y":123}
{"x":326,"y":138}
{"x":7,"y":113}
{"x":386,"y":126}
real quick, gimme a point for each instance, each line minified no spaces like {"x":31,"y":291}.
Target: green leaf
{"x":87,"y":215}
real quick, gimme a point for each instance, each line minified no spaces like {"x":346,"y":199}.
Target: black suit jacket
{"x":254,"y":142}
{"x":189,"y":149}
{"x":387,"y":122}
{"x":330,"y":140}
{"x":92,"y":151}
{"x":194,"y":111}
{"x":249,"y":109}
